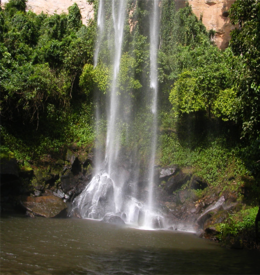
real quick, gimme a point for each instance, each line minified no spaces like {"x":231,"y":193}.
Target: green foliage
{"x":211,"y":162}
{"x":13,"y":5}
{"x":184,"y":43}
{"x":242,"y":221}
{"x":74,"y":17}
{"x":207,"y":87}
{"x":126,"y":81}
{"x":245,"y":43}
{"x":184,"y":97}
{"x":41,"y":60}
{"x":209,"y":147}
{"x":181,"y":28}
{"x":221,"y":84}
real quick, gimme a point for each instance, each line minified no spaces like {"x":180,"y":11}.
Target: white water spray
{"x":100,"y":30}
{"x":108,"y":192}
{"x":113,"y":143}
{"x":154,"y":36}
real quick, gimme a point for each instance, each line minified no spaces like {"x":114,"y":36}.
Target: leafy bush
{"x":242,"y":221}
{"x":41,"y":60}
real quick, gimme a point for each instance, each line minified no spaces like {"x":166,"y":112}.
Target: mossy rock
{"x":70,"y":156}
{"x":43,"y":174}
{"x":58,"y":167}
{"x":83,"y":157}
{"x":216,"y":218}
{"x":45,"y":206}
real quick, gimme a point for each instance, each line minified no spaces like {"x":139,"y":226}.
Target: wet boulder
{"x":58,"y":193}
{"x":106,"y":197}
{"x":166,"y":172}
{"x":45,"y":206}
{"x":210,"y":212}
{"x":113,"y":219}
{"x":73,"y":184}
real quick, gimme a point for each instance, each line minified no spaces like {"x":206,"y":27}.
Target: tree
{"x":41,"y":60}
{"x":245,"y":43}
{"x":14,"y":5}
{"x":206,"y":85}
{"x":74,"y":17}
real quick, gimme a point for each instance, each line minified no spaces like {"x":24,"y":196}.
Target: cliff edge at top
{"x":58,"y":6}
{"x":214,"y":13}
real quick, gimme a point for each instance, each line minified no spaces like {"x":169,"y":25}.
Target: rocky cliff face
{"x":60,"y":6}
{"x":214,"y":15}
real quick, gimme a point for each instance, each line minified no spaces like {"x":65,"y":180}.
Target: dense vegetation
{"x":209,"y":99}
{"x":213,"y":127}
{"x":41,"y":59}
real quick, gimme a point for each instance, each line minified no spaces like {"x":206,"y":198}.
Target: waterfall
{"x":113,"y":144}
{"x":114,"y":188}
{"x":100,"y":28}
{"x":154,"y":37}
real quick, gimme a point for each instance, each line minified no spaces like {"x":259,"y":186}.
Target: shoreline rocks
{"x":45,"y":206}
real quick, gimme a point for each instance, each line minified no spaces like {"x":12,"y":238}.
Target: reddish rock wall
{"x":60,"y":6}
{"x":214,"y":16}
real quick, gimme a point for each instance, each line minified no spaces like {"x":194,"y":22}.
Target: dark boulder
{"x":73,"y":184}
{"x":67,"y":181}
{"x":13,"y":182}
{"x":76,"y":167}
{"x":9,"y":167}
{"x":113,"y":219}
{"x":10,"y":182}
{"x":176,"y":181}
{"x":197,"y":183}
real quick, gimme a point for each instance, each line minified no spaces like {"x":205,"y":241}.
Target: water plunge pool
{"x":75,"y":246}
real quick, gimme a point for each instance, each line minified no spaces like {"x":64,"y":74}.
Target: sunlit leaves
{"x":225,"y":105}
{"x":207,"y":87}
{"x":184,"y":96}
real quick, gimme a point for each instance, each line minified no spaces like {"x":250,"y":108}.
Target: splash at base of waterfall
{"x":106,"y":197}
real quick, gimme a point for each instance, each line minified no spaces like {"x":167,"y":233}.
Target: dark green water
{"x":71,"y":246}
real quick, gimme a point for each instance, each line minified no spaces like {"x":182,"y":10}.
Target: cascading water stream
{"x":100,"y":29}
{"x":103,"y":194}
{"x":108,"y":192}
{"x":112,"y":142}
{"x":154,"y":36}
